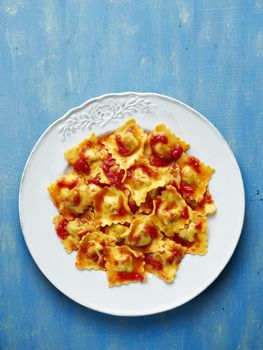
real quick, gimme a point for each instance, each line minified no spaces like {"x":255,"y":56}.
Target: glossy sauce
{"x":123,"y":150}
{"x":186,"y":189}
{"x":194,"y":163}
{"x":98,"y":199}
{"x":82,"y":234}
{"x":151,"y":230}
{"x":176,"y":256}
{"x":199,"y":225}
{"x":76,"y":198}
{"x":122,"y":210}
{"x":133,"y":206}
{"x":185,"y":213}
{"x":156,"y":264}
{"x":62,"y":183}
{"x":206,"y":199}
{"x":113,"y":173}
{"x":81,"y":165}
{"x":95,"y":181}
{"x":182,"y":241}
{"x":62,"y":229}
{"x":160,"y":160}
{"x":129,"y":276}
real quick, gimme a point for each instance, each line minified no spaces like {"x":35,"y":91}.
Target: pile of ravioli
{"x":133,"y":202}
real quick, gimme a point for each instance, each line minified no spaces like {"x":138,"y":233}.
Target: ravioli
{"x":164,"y":147}
{"x":205,"y":206}
{"x":143,"y":235}
{"x":195,"y":177}
{"x":166,"y":263}
{"x":91,"y":253}
{"x":171,"y":211}
{"x":72,"y":230}
{"x":193,"y":236}
{"x":141,"y":178}
{"x":86,"y":157}
{"x":111,"y":206}
{"x":70,"y":194}
{"x":133,"y":202}
{"x":126,"y":144}
{"x":124,"y":266}
{"x":116,"y":231}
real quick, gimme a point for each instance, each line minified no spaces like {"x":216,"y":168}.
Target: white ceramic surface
{"x":46,"y":163}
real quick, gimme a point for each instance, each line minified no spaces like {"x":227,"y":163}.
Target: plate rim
{"x":120,"y":94}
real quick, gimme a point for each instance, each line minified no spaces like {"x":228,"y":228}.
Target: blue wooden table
{"x":56,"y":54}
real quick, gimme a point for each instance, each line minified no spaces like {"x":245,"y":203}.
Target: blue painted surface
{"x":56,"y":54}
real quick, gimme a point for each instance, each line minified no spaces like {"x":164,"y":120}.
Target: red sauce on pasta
{"x":62,"y":229}
{"x":176,"y":256}
{"x":129,"y":276}
{"x":81,"y":165}
{"x":194,"y":163}
{"x":151,"y":230}
{"x":62,"y":183}
{"x":113,"y":173}
{"x":156,"y":264}
{"x":182,"y":241}
{"x":123,"y":150}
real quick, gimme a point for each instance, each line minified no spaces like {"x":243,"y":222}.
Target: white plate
{"x":105,"y":114}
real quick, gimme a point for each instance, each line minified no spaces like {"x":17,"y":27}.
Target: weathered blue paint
{"x":56,"y":54}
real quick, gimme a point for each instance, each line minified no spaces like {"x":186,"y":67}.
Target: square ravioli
{"x":124,"y":266}
{"x":111,"y":206}
{"x":71,"y":230}
{"x":171,"y":211}
{"x":126,"y":143}
{"x":193,"y":236}
{"x":141,"y":178}
{"x":91,"y":253}
{"x":70,"y":194}
{"x":116,"y":230}
{"x":166,"y":263}
{"x":163,"y":147}
{"x":143,"y":235}
{"x":195,"y":176}
{"x":205,"y":206}
{"x":86,"y":157}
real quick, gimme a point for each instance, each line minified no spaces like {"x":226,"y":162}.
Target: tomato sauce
{"x":185,"y":213}
{"x":206,"y":199}
{"x":96,"y":181}
{"x":158,"y":204}
{"x":76,"y":198}
{"x":129,"y":276}
{"x":98,"y":199}
{"x":133,"y":207}
{"x":121,"y":212}
{"x":176,"y":152}
{"x":160,"y":160}
{"x":82,"y":234}
{"x":194,"y":163}
{"x":151,"y":230}
{"x":62,"y":229}
{"x":186,"y":189}
{"x":81,"y":165}
{"x":156,"y":264}
{"x":62,"y":183}
{"x":123,"y":150}
{"x":113,"y":173}
{"x":199,"y":225}
{"x":182,"y":241}
{"x":176,"y":256}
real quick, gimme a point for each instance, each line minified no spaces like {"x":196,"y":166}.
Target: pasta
{"x":133,"y":202}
